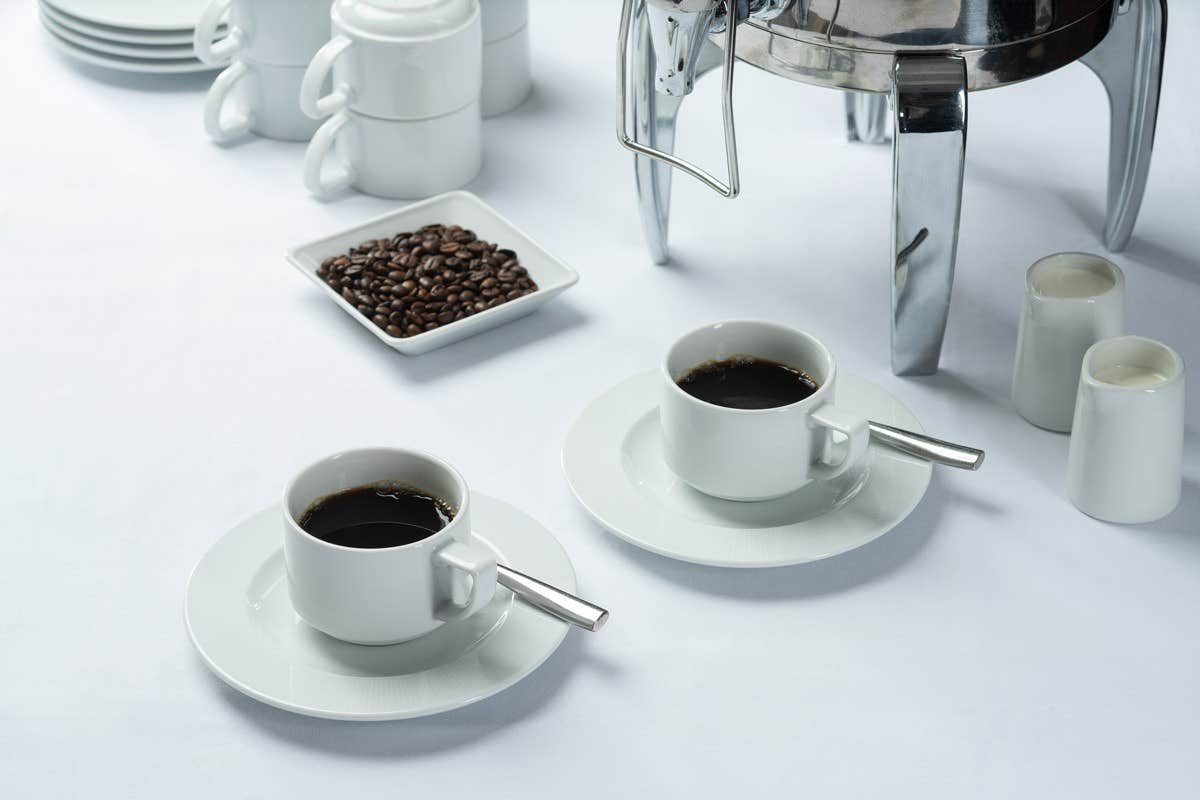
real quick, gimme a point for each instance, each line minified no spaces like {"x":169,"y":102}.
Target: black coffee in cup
{"x":747,"y":382}
{"x":376,"y":516}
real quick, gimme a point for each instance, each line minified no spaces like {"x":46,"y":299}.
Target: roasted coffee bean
{"x":417,"y":281}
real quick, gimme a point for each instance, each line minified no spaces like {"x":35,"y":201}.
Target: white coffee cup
{"x":393,"y":594}
{"x":399,"y":59}
{"x":394,"y":158}
{"x":279,"y":32}
{"x":257,"y":98}
{"x":756,"y":454}
{"x":507,"y":77}
{"x":1126,"y":458}
{"x":1072,"y":301}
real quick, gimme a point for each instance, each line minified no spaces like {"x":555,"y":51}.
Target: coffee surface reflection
{"x":747,"y":382}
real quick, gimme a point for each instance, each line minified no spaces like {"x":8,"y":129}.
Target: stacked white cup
{"x":270,"y":43}
{"x":405,"y":118}
{"x":506,"y":71}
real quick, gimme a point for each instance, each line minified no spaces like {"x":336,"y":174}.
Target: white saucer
{"x":131,"y":36}
{"x":139,"y":15}
{"x":142,"y":52}
{"x":160,"y":66}
{"x":613,"y":460}
{"x":241,"y":620}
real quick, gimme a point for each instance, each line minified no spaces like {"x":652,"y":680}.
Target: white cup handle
{"x":207,"y":50}
{"x":311,"y":101}
{"x":480,"y":564}
{"x":240,"y":122}
{"x":857,"y":434}
{"x":319,"y":148}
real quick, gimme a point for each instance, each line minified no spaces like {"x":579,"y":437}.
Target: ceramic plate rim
{"x":304,"y":259}
{"x":908,"y":420}
{"x":125,"y":64}
{"x":117,"y":22}
{"x":552,"y":643}
{"x":108,"y":47}
{"x":180,"y":37}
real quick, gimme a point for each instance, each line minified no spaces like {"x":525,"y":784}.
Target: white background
{"x":164,"y":371}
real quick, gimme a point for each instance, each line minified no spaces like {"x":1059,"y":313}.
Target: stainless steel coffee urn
{"x":921,"y":58}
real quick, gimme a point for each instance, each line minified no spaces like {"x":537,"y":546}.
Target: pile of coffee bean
{"x":418,"y":281}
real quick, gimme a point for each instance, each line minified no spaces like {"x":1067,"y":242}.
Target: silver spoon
{"x":926,"y":447}
{"x":555,"y":602}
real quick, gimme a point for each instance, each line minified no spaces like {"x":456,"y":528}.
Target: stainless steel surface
{"x":867,"y":118}
{"x":928,"y":148}
{"x":926,"y":447}
{"x":678,"y":29}
{"x":850,"y":44}
{"x":553,"y":601}
{"x":654,"y":116}
{"x":673,"y":79}
{"x":927,"y":54}
{"x":1129,"y":62}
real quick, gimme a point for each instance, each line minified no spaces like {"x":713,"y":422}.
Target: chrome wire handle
{"x":731,"y":161}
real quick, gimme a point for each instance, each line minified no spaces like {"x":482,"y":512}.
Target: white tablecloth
{"x":165,"y":371}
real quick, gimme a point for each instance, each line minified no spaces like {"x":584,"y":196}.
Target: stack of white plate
{"x":131,"y":35}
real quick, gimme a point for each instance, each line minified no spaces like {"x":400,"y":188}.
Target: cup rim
{"x":254,"y":63}
{"x":812,"y":399}
{"x":459,"y":513}
{"x":351,"y":30}
{"x":1177,"y":365}
{"x":1115,"y":273}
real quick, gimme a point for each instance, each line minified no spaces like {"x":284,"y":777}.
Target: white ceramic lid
{"x":404,"y":18}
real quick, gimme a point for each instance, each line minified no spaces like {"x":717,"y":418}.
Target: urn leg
{"x":929,"y":145}
{"x":654,"y":117}
{"x":867,"y":117}
{"x":1129,"y":62}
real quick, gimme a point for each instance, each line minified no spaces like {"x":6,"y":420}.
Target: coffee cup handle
{"x":311,"y":101}
{"x":476,"y":561}
{"x":856,"y":431}
{"x":208,"y":51}
{"x":318,"y":152}
{"x":214,"y":103}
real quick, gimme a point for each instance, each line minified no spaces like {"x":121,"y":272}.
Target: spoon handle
{"x":552,"y":601}
{"x":921,"y":446}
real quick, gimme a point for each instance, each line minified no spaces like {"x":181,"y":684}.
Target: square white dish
{"x":551,"y":275}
